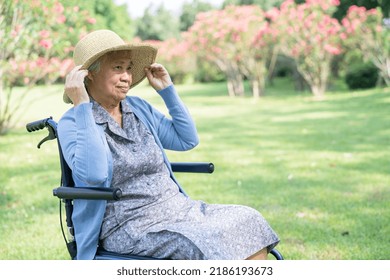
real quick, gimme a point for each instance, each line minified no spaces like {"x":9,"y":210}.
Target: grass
{"x":318,"y":171}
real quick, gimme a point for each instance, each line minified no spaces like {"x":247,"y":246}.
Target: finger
{"x":156,"y":67}
{"x":155,"y":64}
{"x":148,"y":73}
{"x":76,"y":74}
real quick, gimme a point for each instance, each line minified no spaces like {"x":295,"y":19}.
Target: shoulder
{"x":69,"y":115}
{"x":138,"y":104}
{"x":136,"y":101}
{"x":76,"y":112}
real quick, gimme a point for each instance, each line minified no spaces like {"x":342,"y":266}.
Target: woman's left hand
{"x":158,"y":76}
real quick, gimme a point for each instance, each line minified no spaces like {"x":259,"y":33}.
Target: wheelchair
{"x":67,"y":192}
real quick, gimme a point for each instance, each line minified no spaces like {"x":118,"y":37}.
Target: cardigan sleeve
{"x":82,"y":145}
{"x":179,"y":131}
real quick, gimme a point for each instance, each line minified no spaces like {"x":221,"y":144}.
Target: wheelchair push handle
{"x":49,"y":123}
{"x":37,"y":125}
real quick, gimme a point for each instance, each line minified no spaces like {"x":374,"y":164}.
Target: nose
{"x":126,"y":76}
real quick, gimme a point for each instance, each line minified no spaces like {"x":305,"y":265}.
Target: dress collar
{"x":102,"y":117}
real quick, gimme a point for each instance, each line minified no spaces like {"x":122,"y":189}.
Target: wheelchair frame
{"x":67,"y":192}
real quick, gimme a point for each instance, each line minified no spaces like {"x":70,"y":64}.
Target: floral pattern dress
{"x":155,"y":219}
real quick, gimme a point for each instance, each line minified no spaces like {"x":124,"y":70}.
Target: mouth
{"x":123,"y":89}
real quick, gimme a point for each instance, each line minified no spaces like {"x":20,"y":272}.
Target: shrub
{"x":362,"y":76}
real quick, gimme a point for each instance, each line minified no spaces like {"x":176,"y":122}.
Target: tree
{"x":108,"y":15}
{"x":264,"y":4}
{"x":238,"y":39}
{"x":189,"y":12}
{"x":366,"y":30}
{"x":312,"y":41}
{"x":175,"y":54}
{"x":210,"y":39}
{"x":255,"y":44}
{"x":157,"y":25}
{"x":36,"y":41}
{"x":342,"y":9}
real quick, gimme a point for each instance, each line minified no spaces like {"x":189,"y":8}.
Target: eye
{"x":118,"y":67}
{"x":130,"y":66}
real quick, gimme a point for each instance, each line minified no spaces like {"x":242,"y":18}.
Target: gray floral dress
{"x":155,"y":219}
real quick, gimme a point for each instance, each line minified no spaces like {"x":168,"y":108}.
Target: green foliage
{"x":362,"y":76}
{"x":189,"y":12}
{"x":36,"y":38}
{"x":208,"y":72}
{"x":264,"y":4}
{"x":108,"y":15}
{"x":369,"y":4}
{"x":367,"y":33}
{"x":157,"y":25}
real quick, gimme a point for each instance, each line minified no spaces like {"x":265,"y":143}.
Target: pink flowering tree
{"x":176,"y":55}
{"x":211,"y":39}
{"x":255,"y":44}
{"x":239,"y":40}
{"x":365,"y":30}
{"x":308,"y":34}
{"x":36,"y":39}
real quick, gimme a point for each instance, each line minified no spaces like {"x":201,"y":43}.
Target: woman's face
{"x":110,"y":84}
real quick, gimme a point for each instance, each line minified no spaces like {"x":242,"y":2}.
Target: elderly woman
{"x":113,"y":140}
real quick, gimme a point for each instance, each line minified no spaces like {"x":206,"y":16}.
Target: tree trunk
{"x":258,"y":87}
{"x":235,"y":82}
{"x":235,"y":85}
{"x":318,"y":91}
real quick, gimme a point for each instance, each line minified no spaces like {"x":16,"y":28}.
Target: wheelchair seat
{"x":67,"y":192}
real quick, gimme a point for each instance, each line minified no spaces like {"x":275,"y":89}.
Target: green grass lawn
{"x":318,"y":171}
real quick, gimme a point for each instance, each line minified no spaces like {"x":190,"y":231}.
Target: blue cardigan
{"x":86,"y":151}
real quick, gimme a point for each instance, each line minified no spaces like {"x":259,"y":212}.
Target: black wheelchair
{"x":67,"y":192}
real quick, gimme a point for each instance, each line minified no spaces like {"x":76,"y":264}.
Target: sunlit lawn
{"x":318,"y":171}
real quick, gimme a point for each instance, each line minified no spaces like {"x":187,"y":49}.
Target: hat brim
{"x":142,"y":56}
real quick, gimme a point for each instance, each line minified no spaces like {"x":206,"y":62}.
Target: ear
{"x":90,"y":75}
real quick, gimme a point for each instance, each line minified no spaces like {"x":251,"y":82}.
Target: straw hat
{"x":97,"y":43}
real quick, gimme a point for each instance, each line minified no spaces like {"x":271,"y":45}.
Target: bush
{"x":362,"y":76}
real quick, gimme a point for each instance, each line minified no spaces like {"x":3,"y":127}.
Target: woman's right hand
{"x":74,"y":86}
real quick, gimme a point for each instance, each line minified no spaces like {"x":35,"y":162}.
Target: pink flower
{"x":44,"y":34}
{"x":58,"y":8}
{"x":61,"y":19}
{"x":14,"y":33}
{"x":332,"y":50}
{"x":16,"y":30}
{"x":91,"y":20}
{"x":272,"y":14}
{"x":14,"y":65}
{"x":41,"y":62}
{"x":47,"y":44}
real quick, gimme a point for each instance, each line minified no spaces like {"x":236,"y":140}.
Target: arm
{"x":82,"y":145}
{"x":178,"y":133}
{"x":81,"y":142}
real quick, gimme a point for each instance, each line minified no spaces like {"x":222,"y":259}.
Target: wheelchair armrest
{"x":87,"y":193}
{"x":193,"y":167}
{"x":115,"y":194}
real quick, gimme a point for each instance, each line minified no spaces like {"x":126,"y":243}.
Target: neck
{"x":115,"y":111}
{"x":113,"y":107}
